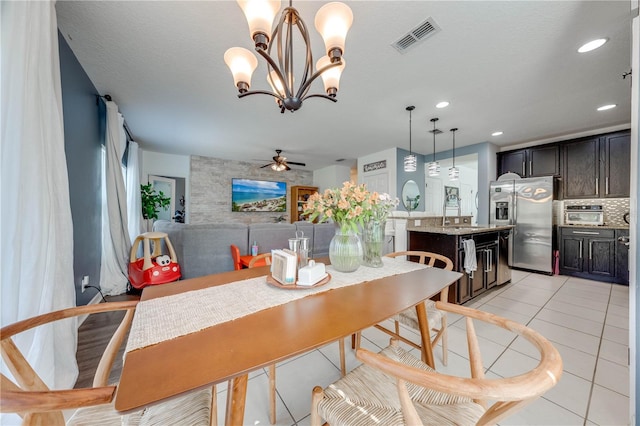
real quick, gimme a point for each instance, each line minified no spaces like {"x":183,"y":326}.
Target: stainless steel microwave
{"x":592,"y":215}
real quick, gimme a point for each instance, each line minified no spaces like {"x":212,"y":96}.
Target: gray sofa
{"x":204,"y":249}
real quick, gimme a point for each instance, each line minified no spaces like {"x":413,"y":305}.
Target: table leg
{"x":425,"y":333}
{"x":236,"y":397}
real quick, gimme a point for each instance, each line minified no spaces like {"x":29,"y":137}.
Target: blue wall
{"x":84,"y":120}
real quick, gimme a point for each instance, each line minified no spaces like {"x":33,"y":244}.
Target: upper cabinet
{"x":581,"y":167}
{"x":591,"y":167}
{"x":597,"y":167}
{"x":615,"y":159}
{"x":531,"y":162}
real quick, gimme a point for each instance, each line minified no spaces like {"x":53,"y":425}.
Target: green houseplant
{"x":152,"y":201}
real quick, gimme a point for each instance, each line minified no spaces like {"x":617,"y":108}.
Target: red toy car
{"x":153,"y":267}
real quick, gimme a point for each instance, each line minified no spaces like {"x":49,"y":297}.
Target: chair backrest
{"x":259,"y":259}
{"x":427,"y":257}
{"x":432,"y":259}
{"x":28,"y":396}
{"x":508,"y":394}
{"x":235,"y":254}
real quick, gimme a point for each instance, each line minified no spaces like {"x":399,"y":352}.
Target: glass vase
{"x":372,"y":241}
{"x":345,"y":250}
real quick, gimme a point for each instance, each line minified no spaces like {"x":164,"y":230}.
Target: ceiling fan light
{"x":454,"y":173}
{"x":242,"y":64}
{"x":410,"y":163}
{"x":330,"y":77}
{"x":260,"y":15}
{"x":433,"y":169}
{"x":333,"y":21}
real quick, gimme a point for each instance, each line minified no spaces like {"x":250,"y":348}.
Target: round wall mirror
{"x":410,"y":195}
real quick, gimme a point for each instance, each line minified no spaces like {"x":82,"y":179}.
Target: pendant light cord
{"x":454,"y":145}
{"x":410,"y":108}
{"x":434,"y":137}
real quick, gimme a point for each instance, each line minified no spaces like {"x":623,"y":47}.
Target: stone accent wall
{"x":211,"y":189}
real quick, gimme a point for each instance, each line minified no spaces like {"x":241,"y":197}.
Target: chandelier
{"x":332,"y":21}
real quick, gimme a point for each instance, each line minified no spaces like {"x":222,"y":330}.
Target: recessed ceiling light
{"x":496,"y":133}
{"x":442,"y":104}
{"x":592,"y":45}
{"x":606,"y":107}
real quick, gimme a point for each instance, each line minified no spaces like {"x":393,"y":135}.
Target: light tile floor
{"x":586,"y":320}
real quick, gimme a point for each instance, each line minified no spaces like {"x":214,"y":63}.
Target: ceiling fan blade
{"x":287,"y":168}
{"x":266,"y":165}
{"x":296,"y":164}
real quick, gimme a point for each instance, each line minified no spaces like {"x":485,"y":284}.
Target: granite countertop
{"x":458,"y":230}
{"x":596,"y":227}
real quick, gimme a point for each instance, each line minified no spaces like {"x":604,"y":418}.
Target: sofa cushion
{"x":207,"y":248}
{"x":270,"y":236}
{"x":322,"y":235}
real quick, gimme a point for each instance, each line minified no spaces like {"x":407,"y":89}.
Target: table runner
{"x":166,"y":318}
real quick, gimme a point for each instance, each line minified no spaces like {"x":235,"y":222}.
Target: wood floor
{"x":93,"y":337}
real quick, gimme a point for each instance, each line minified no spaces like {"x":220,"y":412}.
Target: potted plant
{"x":152,"y":201}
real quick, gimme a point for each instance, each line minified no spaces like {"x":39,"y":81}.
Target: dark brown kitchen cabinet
{"x":590,"y":253}
{"x":581,"y":169}
{"x":615,"y":155}
{"x":532,"y":162}
{"x":597,"y":167}
{"x":622,"y":256}
{"x":486,"y":274}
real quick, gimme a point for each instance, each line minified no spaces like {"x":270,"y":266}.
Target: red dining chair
{"x":235,"y":254}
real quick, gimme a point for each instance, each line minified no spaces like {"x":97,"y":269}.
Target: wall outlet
{"x":456,"y":220}
{"x":85,"y":282}
{"x":417,"y":222}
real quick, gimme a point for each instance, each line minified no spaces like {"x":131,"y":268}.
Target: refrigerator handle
{"x":514,"y":210}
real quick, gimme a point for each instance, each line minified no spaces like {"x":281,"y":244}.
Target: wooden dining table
{"x":232,"y":349}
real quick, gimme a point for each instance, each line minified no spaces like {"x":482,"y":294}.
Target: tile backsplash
{"x":614,"y":209}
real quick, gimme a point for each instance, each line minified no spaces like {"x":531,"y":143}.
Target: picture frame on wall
{"x":250,"y":195}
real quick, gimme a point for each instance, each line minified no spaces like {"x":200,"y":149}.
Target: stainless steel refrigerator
{"x":528,"y":205}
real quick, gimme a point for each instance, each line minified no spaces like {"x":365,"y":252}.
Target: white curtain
{"x":115,"y":233}
{"x":36,"y":231}
{"x":134,"y":200}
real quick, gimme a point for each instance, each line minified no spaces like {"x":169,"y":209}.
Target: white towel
{"x":470,"y":263}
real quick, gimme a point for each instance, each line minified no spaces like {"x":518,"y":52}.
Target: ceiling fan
{"x":280,"y":163}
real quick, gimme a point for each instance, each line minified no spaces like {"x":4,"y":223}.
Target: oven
{"x":590,"y":215}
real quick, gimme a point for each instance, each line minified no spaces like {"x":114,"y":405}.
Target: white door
{"x":433,"y":197}
{"x":168,"y":188}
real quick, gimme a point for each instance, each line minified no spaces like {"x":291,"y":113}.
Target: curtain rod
{"x":126,"y":127}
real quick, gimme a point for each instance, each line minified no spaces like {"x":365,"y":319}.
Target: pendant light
{"x":433,"y":167}
{"x":410,"y":161}
{"x":454,"y":172}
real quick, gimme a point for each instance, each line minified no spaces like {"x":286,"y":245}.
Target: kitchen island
{"x":491,"y":252}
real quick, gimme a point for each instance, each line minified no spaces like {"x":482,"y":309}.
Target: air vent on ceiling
{"x":422,"y":31}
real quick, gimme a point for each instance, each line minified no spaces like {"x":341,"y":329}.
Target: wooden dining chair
{"x":257,"y":260}
{"x":409,"y":317}
{"x":235,"y":255}
{"x":28,"y":396}
{"x":394,"y":387}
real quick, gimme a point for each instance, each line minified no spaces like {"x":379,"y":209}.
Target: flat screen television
{"x":250,"y":195}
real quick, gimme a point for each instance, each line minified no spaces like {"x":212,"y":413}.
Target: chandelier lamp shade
{"x":433,"y":168}
{"x":454,"y":172}
{"x":332,"y":21}
{"x":410,"y":161}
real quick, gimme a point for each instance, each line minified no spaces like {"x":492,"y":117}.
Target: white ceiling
{"x":503,"y":65}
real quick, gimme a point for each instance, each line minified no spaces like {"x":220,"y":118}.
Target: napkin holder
{"x":284,"y":264}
